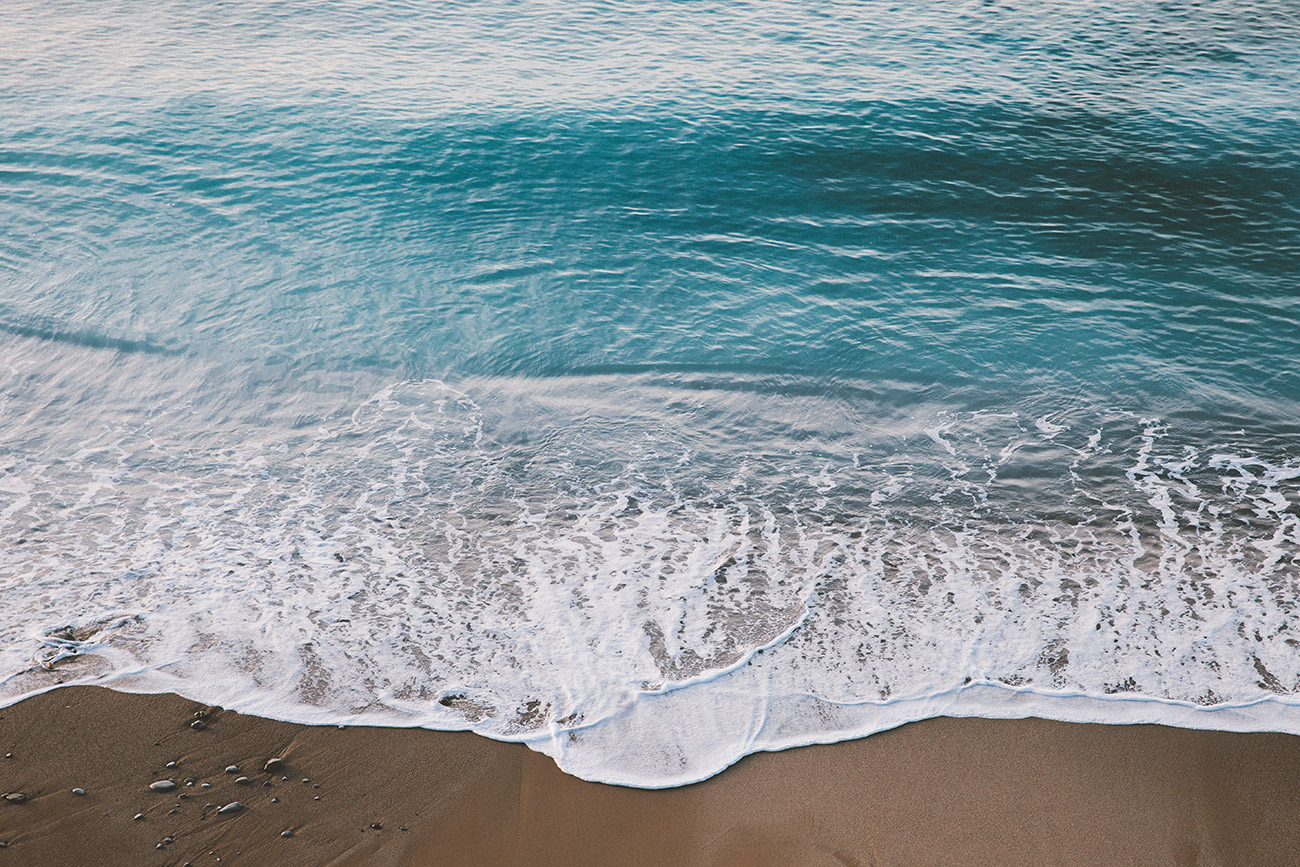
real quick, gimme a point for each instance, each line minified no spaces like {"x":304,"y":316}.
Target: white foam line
{"x":1127,"y":698}
{"x":718,"y":673}
{"x":981,"y":700}
{"x":978,"y":699}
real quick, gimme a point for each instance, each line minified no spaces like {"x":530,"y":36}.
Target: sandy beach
{"x":941,"y":792}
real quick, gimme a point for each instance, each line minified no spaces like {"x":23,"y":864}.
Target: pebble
{"x":137,"y":817}
{"x":9,"y":755}
{"x":168,"y":840}
{"x":401,"y":827}
{"x":173,"y":811}
{"x":232,"y":769}
{"x":275,"y":800}
{"x":232,"y":807}
{"x":266,"y":784}
{"x":377,"y":826}
{"x":273,"y":765}
{"x":318,"y":797}
{"x":305,"y":780}
{"x":15,"y":797}
{"x":243,"y":781}
{"x":3,"y":844}
{"x":78,"y":791}
{"x":189,"y":781}
{"x":159,"y":846}
{"x":197,"y":724}
{"x":163,"y":785}
{"x":207,"y":785}
{"x":171,"y":764}
{"x":286,"y":833}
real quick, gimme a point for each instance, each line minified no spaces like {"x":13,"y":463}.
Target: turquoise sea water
{"x":654,"y":382}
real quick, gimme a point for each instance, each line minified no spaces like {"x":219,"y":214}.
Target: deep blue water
{"x":1006,"y":289}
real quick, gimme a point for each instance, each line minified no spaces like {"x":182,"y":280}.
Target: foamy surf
{"x":593,"y":568}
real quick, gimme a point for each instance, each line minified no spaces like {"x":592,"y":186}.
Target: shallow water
{"x":654,"y":383}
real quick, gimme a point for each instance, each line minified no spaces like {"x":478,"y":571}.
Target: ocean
{"x":656,"y":382}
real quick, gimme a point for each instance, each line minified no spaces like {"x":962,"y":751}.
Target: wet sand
{"x":940,"y":792}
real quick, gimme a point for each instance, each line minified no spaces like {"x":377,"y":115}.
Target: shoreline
{"x":941,"y":791}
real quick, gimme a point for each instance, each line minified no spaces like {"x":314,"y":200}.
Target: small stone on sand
{"x":207,"y":785}
{"x":273,"y":765}
{"x":232,"y":807}
{"x":15,"y":797}
{"x":232,"y":769}
{"x":243,"y":781}
{"x":171,"y":764}
{"x":286,"y":833}
{"x":163,"y":785}
{"x":137,"y":817}
{"x":197,"y":724}
{"x":78,"y":791}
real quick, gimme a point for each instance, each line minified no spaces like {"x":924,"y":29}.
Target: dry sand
{"x":944,"y":791}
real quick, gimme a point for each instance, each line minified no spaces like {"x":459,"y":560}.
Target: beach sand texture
{"x":938,"y":792}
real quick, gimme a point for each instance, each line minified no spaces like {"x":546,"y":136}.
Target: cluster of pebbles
{"x":169,"y":785}
{"x":178,"y":787}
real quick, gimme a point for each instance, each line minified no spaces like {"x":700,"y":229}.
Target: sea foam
{"x":602,"y":569}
